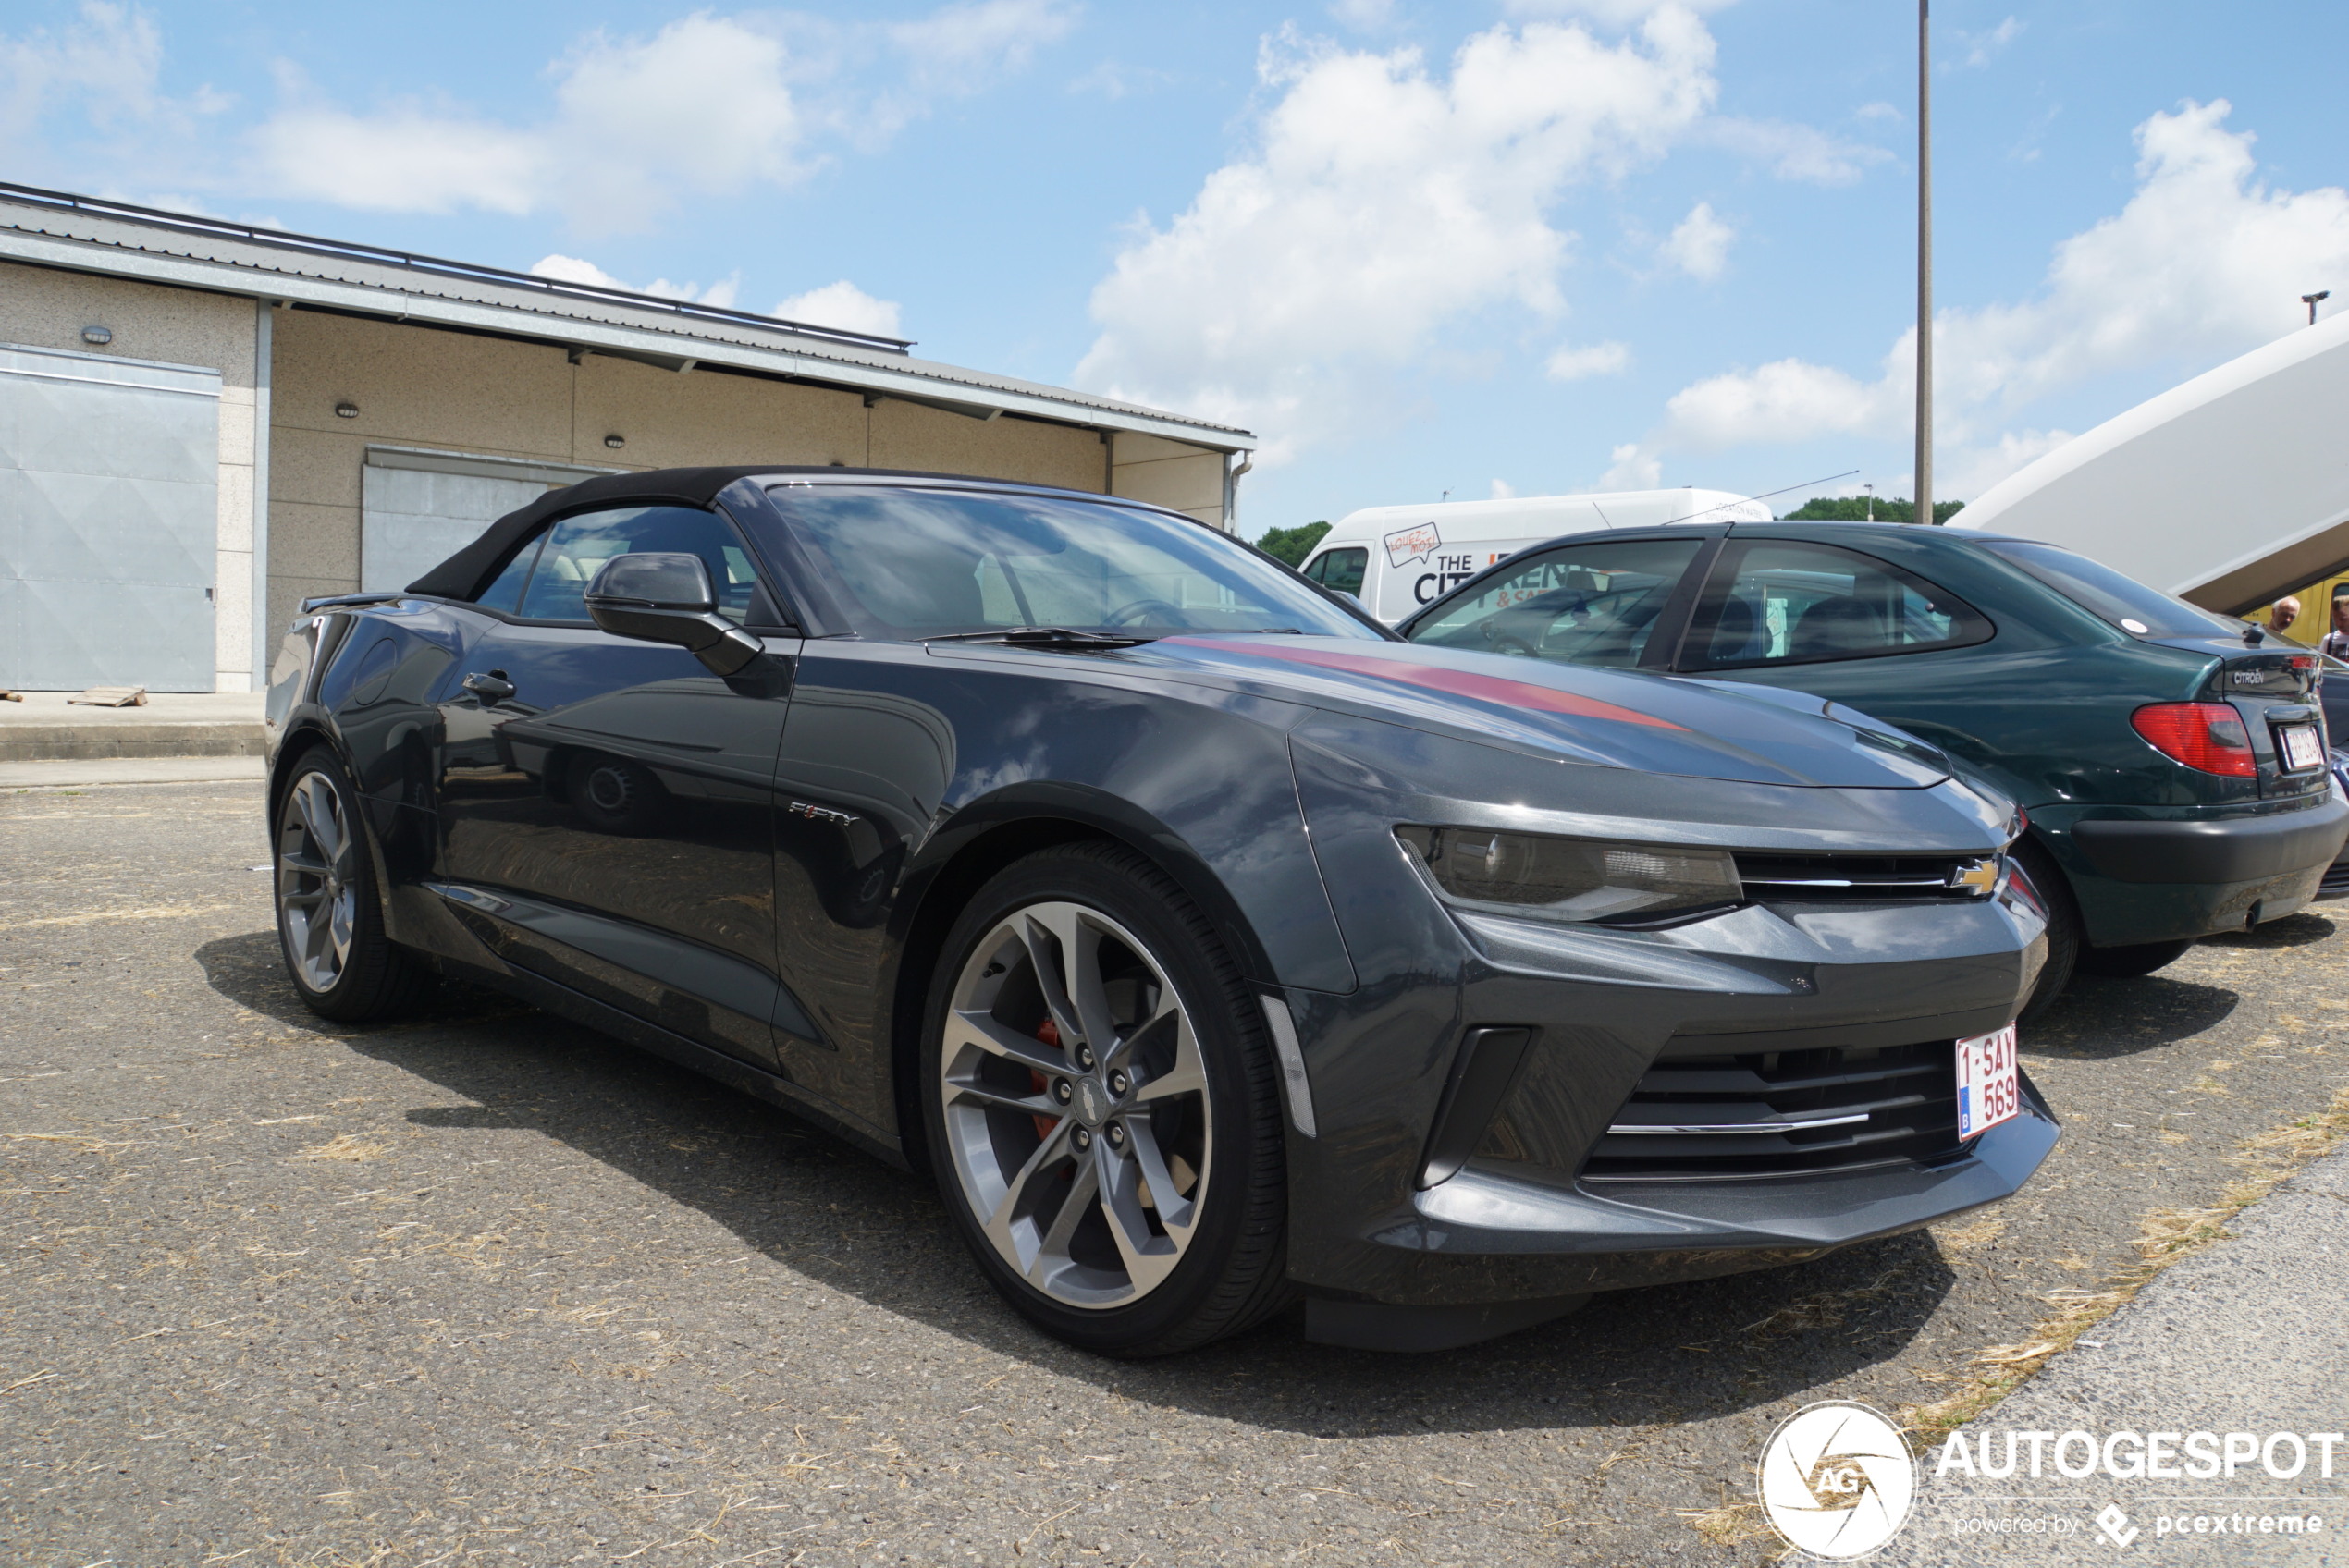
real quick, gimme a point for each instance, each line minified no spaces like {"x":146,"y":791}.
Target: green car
{"x":2172,"y":762}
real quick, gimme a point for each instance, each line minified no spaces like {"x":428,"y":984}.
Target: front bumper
{"x":2188,"y":872}
{"x":1501,"y":1235}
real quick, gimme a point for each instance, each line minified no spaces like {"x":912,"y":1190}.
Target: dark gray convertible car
{"x":1212,"y":947}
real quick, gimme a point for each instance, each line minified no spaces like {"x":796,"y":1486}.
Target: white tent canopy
{"x":2229,"y":490}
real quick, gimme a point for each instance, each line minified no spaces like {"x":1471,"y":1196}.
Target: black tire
{"x":2065,"y":939}
{"x":356,"y":978}
{"x":1232,"y":1272}
{"x":2127,"y":963}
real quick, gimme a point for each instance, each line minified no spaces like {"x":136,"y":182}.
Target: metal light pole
{"x":2313,"y":301}
{"x":1924,"y":263}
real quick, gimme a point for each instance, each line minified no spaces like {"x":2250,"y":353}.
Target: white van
{"x":1396,"y":558}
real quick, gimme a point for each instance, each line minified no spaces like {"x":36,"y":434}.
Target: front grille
{"x":1753,"y":1115}
{"x":2336,"y":879}
{"x":1854,"y":878}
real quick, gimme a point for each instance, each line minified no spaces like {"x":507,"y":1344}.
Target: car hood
{"x":1617,"y":718}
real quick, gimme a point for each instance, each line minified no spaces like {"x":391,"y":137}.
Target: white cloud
{"x":100,"y":76}
{"x":845,"y":306}
{"x":958,"y":47}
{"x":1981,"y":48}
{"x":701,"y":108}
{"x":954,"y":52}
{"x":1633,"y":467}
{"x":709,"y":105}
{"x":1609,"y":13}
{"x":1699,"y":245}
{"x":1795,"y":152}
{"x":1569,"y":364}
{"x":1113,"y":80}
{"x":1367,"y":16}
{"x":1382,"y":202}
{"x":1503,"y":491}
{"x":1879,"y":110}
{"x":2203,"y":262}
{"x":572,"y":269}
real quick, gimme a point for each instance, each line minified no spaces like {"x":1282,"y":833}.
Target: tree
{"x":1854,"y":509}
{"x":1292,"y":545}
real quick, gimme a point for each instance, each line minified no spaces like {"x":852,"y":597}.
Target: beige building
{"x":201,"y":425}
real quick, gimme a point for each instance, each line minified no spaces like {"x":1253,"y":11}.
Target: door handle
{"x":492,"y":687}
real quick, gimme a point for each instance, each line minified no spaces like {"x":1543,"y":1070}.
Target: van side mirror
{"x":665,"y":597}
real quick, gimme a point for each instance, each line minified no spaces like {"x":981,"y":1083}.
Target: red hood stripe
{"x":1458,"y":682}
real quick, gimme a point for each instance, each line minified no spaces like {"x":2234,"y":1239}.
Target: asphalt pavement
{"x":483,"y":1287}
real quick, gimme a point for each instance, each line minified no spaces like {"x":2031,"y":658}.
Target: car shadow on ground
{"x":2292,"y":931}
{"x":2097,"y":1019}
{"x":836,"y":1215}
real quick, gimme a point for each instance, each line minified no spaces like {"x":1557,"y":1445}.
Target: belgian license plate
{"x":2301,"y":747}
{"x":1990,"y":1091}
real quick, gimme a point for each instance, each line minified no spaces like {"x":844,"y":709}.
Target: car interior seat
{"x":1733,"y":631}
{"x":1841,"y":625}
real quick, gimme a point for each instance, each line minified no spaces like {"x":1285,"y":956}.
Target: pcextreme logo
{"x":1836,"y":1479}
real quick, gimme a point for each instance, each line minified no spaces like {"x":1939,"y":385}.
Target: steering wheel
{"x":1507,"y":643}
{"x":1139,"y":609}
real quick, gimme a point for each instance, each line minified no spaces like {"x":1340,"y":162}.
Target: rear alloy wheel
{"x":1101,"y":1108}
{"x":2127,"y":963}
{"x":331,"y":925}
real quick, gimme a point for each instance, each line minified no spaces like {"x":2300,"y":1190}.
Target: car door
{"x":1608,"y":601}
{"x":1855,"y":629}
{"x":604,"y":806}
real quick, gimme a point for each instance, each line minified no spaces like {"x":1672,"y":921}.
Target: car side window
{"x":1339,"y":570}
{"x":548,"y":578}
{"x":1579,"y":603}
{"x":1774,"y":603}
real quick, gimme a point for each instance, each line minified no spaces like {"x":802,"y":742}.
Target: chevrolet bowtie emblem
{"x":1979,"y":877}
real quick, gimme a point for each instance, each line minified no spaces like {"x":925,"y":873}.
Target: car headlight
{"x":1535,"y":875}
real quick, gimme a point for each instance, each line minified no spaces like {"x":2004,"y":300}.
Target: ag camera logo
{"x":1836,"y":1479}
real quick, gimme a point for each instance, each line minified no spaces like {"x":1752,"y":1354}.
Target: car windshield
{"x":1586,"y":603}
{"x":910,"y":563}
{"x":2099,"y":590}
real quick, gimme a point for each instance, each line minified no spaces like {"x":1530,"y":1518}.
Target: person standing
{"x":2336,"y":642}
{"x":2282,"y":614}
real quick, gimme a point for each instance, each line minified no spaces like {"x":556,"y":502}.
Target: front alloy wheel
{"x":1102,"y":1109}
{"x":1075,"y":1105}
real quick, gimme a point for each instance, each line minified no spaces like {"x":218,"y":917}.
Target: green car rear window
{"x":2102,"y":592}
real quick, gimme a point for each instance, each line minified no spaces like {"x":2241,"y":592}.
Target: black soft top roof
{"x":465,"y":574}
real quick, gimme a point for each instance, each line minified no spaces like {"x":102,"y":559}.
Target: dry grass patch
{"x":343,"y":1146}
{"x":2164,"y":1235}
{"x":1730,"y":1524}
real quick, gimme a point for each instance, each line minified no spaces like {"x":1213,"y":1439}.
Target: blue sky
{"x":1539,"y":244}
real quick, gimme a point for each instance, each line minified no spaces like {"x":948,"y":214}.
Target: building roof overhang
{"x":84,"y":234}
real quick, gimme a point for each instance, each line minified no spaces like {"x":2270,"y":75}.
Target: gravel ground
{"x":484,"y":1287}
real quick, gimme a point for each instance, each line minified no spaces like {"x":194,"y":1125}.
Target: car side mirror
{"x":665,"y":597}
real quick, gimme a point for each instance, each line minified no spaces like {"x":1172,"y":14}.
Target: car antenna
{"x":1765,"y":494}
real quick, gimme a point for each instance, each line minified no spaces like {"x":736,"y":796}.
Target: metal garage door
{"x":109,"y":515}
{"x":419,"y":507}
